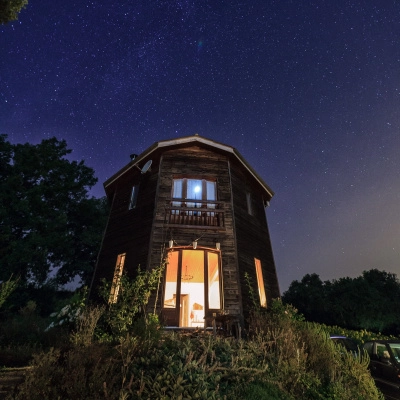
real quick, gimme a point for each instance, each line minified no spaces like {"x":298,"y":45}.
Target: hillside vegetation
{"x":282,"y":357}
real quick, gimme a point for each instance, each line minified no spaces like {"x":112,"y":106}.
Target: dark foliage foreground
{"x":282,"y":358}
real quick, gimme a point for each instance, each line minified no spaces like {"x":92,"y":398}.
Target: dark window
{"x":249,"y":203}
{"x":134,"y":195}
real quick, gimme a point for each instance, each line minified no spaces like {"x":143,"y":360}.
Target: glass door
{"x":192,"y":287}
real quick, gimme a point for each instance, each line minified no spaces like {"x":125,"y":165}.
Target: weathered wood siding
{"x":252,"y":235}
{"x":197,"y":162}
{"x":143,"y":232}
{"x":128,"y":231}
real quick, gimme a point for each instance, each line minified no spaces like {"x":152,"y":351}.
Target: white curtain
{"x":178,"y":184}
{"x":194,"y":191}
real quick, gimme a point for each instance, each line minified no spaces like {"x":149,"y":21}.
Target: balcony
{"x":188,"y":213}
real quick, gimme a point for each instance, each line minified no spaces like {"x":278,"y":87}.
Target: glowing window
{"x":260,"y":283}
{"x":171,"y":274}
{"x":194,"y":189}
{"x":214,"y":296}
{"x":117,"y":278}
{"x":192,"y":285}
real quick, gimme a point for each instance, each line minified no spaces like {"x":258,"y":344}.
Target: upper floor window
{"x":195,"y":189}
{"x":134,"y":195}
{"x":119,"y":267}
{"x":260,"y":283}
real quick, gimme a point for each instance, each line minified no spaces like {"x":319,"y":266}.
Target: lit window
{"x":260,"y":283}
{"x":194,"y":189}
{"x":214,"y":296}
{"x":117,"y":278}
{"x":134,"y":195}
{"x":192,"y":286}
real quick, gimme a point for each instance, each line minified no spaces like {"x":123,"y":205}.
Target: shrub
{"x":303,"y":359}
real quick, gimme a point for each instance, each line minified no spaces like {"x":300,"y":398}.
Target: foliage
{"x":360,"y":337}
{"x":306,"y":358}
{"x":133,"y":296}
{"x":46,"y":297}
{"x":284,"y":358}
{"x":6,"y":288}
{"x":48,"y":222}
{"x":370,"y":301}
{"x":23,"y":334}
{"x":85,"y":325}
{"x":9,"y":9}
{"x":72,"y":311}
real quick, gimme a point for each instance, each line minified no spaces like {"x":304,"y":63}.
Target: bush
{"x":284,"y":358}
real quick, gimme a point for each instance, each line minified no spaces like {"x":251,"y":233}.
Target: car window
{"x":382,"y":351}
{"x":395,"y":347}
{"x":349,"y":345}
{"x":368,"y":347}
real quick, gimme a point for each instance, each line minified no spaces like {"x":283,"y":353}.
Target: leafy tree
{"x":48,"y":224}
{"x":370,"y":301}
{"x":309,"y":297}
{"x":9,"y":9}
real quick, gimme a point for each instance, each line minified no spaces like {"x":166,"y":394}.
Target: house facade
{"x":199,"y":206}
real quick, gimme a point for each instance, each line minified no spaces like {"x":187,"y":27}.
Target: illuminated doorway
{"x":192,"y":287}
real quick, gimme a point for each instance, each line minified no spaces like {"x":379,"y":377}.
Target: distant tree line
{"x":370,"y":301}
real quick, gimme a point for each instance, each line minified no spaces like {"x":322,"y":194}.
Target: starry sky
{"x":307,"y":91}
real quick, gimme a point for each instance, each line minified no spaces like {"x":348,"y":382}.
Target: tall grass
{"x":283,"y":358}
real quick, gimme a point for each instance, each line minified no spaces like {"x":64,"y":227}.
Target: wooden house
{"x":199,"y":205}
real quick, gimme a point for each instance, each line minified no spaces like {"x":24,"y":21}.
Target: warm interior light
{"x":186,"y":276}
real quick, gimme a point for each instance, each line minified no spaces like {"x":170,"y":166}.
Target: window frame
{"x":249,"y":202}
{"x":133,"y":197}
{"x":260,"y":283}
{"x":206,"y":283}
{"x":204,"y":192}
{"x":116,"y":282}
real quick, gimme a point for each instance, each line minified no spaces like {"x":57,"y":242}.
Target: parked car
{"x":385,"y":363}
{"x":347,"y":343}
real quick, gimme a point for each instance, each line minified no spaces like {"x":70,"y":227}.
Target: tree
{"x":370,"y":301}
{"x":9,"y":9}
{"x":309,"y":297}
{"x":48,"y":224}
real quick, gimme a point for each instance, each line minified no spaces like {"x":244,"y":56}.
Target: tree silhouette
{"x":48,"y":224}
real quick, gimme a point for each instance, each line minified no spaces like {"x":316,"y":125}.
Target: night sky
{"x":307,"y":91}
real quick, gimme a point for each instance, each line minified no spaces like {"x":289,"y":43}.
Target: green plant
{"x":6,"y":288}
{"x":86,"y":325}
{"x":133,"y":297}
{"x":71,"y":312}
{"x":261,"y":391}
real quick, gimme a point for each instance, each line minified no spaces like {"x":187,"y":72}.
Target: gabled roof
{"x":185,"y":140}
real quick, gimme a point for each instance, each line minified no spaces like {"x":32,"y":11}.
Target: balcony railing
{"x":188,"y":212}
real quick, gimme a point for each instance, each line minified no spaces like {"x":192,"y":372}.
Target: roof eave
{"x":184,"y":140}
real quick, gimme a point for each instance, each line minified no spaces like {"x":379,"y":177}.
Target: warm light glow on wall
{"x":117,"y":278}
{"x":260,"y":282}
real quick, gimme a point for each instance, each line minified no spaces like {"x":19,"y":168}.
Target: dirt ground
{"x":10,"y":378}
